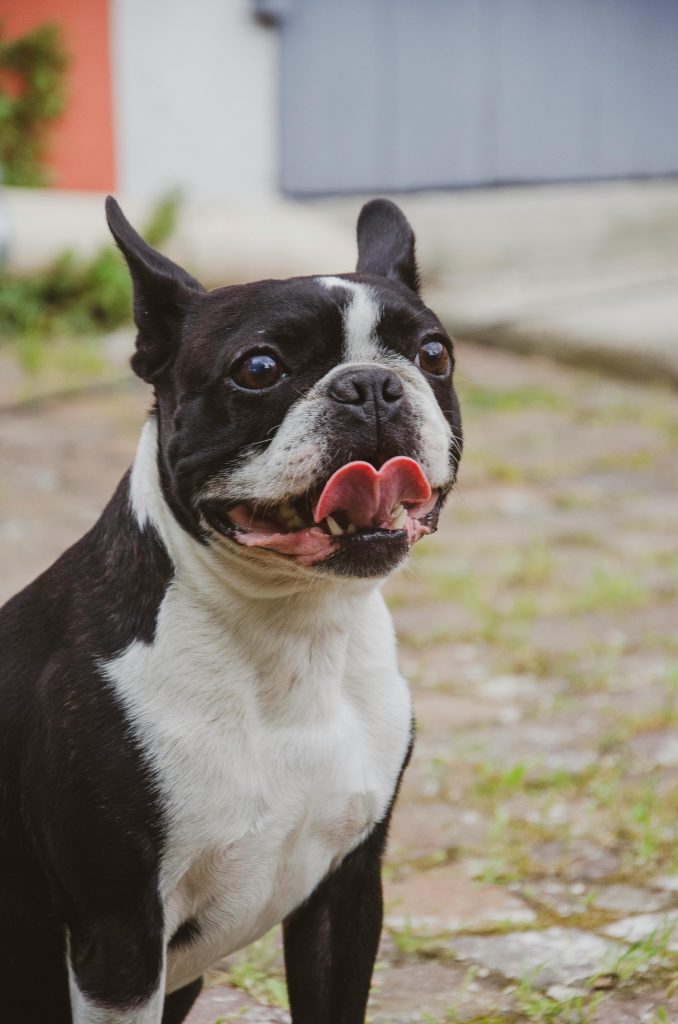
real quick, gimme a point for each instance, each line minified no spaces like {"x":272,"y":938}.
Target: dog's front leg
{"x":331,"y":941}
{"x":116,"y":968}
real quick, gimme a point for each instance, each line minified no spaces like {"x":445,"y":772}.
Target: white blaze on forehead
{"x":360,"y":318}
{"x":361,"y":345}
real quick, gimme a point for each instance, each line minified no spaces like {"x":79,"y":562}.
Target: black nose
{"x":368,"y":389}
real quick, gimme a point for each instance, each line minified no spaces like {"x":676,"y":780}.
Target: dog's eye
{"x":433,"y":357}
{"x":258,"y":371}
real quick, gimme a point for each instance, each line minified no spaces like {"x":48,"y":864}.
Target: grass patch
{"x":484,"y":399}
{"x":409,"y":942}
{"x":542,"y":1009}
{"x":258,"y":971}
{"x":610,"y":590}
{"x":642,"y":955}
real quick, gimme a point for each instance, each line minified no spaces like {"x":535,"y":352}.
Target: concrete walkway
{"x":585,"y":273}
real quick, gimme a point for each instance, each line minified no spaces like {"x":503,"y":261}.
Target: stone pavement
{"x":533,"y":865}
{"x":586,"y":273}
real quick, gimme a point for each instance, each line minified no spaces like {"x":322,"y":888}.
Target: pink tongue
{"x":369,"y":496}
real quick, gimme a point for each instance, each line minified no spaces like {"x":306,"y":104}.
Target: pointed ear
{"x":386,"y":243}
{"x":162,"y":291}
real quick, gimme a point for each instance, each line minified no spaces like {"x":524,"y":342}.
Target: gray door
{"x":385,"y":95}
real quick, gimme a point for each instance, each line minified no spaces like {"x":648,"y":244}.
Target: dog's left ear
{"x":386,"y":243}
{"x":162,"y":293}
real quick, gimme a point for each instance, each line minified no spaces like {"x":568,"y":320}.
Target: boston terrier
{"x":202,"y":722}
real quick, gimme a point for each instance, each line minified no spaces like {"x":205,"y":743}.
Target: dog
{"x":203,"y":725}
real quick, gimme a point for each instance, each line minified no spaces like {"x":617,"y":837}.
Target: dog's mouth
{"x":357,"y":504}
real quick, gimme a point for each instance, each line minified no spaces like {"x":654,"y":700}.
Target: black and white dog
{"x":202,"y":721}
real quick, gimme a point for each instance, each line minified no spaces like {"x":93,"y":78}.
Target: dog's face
{"x":312,"y":419}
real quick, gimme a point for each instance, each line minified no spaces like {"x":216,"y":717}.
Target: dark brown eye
{"x":258,"y":372}
{"x":433,"y":357}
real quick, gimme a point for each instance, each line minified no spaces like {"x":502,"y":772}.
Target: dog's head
{"x":312,"y":419}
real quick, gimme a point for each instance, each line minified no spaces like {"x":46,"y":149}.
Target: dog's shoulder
{"x":62,"y":724}
{"x":102,"y":593}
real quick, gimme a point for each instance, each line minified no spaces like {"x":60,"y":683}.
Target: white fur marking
{"x":360,"y":319}
{"x":88,"y":1011}
{"x":276,"y":729}
{"x":143,"y":471}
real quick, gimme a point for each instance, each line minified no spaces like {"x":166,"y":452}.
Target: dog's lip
{"x":313,"y":543}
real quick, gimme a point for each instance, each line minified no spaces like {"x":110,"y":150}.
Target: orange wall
{"x":81,"y":151}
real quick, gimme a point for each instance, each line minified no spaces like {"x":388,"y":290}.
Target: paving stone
{"x":429,"y":829}
{"x":664,"y":925}
{"x":554,"y":956}
{"x":438,"y":712}
{"x":511,"y":688}
{"x":564,"y":993}
{"x":449,"y":665}
{"x":566,"y":899}
{"x":579,"y":859}
{"x":446,"y":900}
{"x":548,"y":744}
{"x":630,"y":1007}
{"x":656,"y":748}
{"x":667,"y":882}
{"x":629,"y":899}
{"x":230,"y":1004}
{"x":428,"y":990}
{"x":434,"y":619}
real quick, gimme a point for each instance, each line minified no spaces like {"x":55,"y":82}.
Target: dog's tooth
{"x":351,"y":528}
{"x":400,"y":519}
{"x":333,"y":526}
{"x":296,"y":521}
{"x":397,"y":510}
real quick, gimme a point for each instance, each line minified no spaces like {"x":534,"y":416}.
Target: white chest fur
{"x":276,"y":730}
{"x":275,"y":720}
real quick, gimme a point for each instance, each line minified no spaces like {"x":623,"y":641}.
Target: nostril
{"x":392,"y":388}
{"x":349,"y":390}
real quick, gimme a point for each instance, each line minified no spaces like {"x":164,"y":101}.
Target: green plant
{"x":542,"y":1009}
{"x":256,"y":971}
{"x":32,"y":95}
{"x":409,"y":941}
{"x":74,"y":296}
{"x":646,"y":952}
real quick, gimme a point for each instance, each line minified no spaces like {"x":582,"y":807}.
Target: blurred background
{"x":533,"y":866}
{"x":261,"y":122}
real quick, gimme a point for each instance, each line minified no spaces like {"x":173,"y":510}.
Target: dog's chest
{"x":272,"y":765}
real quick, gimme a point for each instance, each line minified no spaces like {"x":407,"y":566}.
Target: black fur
{"x":77,"y":803}
{"x":386,"y":243}
{"x":179,"y":1003}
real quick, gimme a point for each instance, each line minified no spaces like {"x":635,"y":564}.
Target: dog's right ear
{"x":162,"y":292}
{"x":386,"y":243}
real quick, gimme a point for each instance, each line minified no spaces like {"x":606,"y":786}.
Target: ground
{"x":533,"y":864}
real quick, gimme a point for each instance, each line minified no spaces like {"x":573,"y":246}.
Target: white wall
{"x":195,"y":97}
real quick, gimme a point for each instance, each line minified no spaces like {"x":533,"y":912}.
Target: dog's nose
{"x":368,"y":389}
